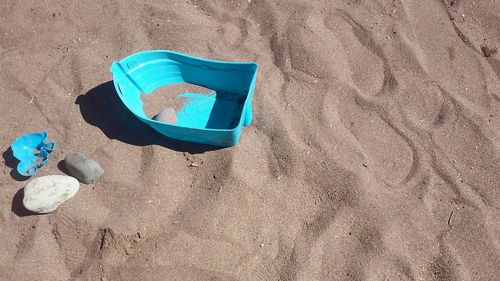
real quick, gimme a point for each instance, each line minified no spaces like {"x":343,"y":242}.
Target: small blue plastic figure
{"x":28,"y":149}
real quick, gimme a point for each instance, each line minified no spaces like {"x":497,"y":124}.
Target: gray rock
{"x":83,"y":168}
{"x":45,"y":194}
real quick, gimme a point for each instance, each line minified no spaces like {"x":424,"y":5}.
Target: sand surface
{"x":373,"y":155}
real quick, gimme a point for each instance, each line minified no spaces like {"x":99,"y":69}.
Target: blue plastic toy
{"x":32,"y":151}
{"x":215,"y":119}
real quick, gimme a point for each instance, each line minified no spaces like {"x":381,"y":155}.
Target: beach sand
{"x":373,"y":153}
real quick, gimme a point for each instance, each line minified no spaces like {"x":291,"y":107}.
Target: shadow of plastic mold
{"x":216,"y":119}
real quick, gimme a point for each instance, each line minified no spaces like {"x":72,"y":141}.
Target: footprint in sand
{"x":388,"y":154}
{"x":368,"y":65}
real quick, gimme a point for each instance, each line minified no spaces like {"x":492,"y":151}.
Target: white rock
{"x":45,"y":194}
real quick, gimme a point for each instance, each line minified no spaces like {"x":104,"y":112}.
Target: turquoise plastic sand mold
{"x":215,"y":119}
{"x":29,"y":149}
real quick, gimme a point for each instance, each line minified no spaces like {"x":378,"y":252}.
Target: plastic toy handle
{"x":122,"y":77}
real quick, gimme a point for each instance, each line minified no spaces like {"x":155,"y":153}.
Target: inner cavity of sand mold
{"x":193,"y":106}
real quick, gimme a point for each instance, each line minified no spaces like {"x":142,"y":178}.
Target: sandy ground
{"x":374,"y":152}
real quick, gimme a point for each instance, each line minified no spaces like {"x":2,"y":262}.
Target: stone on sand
{"x":45,"y":194}
{"x":83,"y":168}
{"x":167,"y":115}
